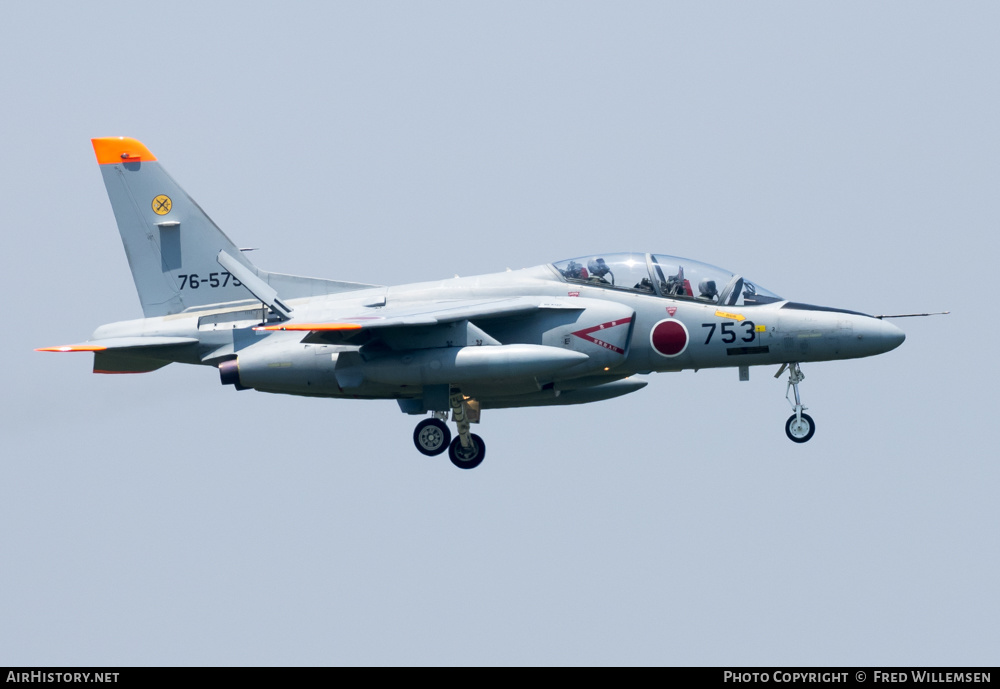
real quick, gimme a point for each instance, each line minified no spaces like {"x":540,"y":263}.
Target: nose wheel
{"x":800,"y":427}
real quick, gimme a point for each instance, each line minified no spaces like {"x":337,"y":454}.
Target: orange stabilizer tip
{"x":120,"y":149}
{"x":73,"y":348}
{"x":312,"y":326}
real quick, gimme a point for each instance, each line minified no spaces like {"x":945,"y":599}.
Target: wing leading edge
{"x":423,"y":315}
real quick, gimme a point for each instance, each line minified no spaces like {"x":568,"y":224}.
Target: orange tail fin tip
{"x":118,"y":149}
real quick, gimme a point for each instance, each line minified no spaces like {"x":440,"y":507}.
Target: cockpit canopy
{"x":665,"y":276}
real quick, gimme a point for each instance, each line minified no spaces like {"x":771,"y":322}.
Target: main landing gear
{"x":800,"y":427}
{"x":432,"y":436}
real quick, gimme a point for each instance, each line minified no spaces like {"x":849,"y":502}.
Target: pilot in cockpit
{"x":707,"y":291}
{"x":598,"y":269}
{"x":575,"y":271}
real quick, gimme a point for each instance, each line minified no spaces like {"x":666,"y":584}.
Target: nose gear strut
{"x":800,"y":427}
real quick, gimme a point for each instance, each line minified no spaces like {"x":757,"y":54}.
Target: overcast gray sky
{"x":844,"y":154}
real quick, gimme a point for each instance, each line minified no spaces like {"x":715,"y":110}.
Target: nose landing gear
{"x":800,"y":427}
{"x":432,"y":436}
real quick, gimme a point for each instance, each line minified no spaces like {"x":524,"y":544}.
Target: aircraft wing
{"x":425,"y":317}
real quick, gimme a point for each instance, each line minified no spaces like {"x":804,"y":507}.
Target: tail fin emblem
{"x":162,"y":204}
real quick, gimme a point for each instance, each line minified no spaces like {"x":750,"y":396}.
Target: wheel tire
{"x":432,"y":437}
{"x":467,"y":459}
{"x":800,"y":432}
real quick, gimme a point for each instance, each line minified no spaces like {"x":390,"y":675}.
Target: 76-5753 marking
{"x":192,"y":281}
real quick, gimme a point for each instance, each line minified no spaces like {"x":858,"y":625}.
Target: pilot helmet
{"x":598,"y":267}
{"x":707,"y":288}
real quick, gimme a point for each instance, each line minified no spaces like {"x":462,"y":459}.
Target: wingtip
{"x":120,"y":149}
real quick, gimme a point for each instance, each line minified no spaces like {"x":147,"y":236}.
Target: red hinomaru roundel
{"x":669,"y":337}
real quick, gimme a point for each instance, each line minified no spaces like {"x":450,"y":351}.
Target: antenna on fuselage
{"x":913,"y":315}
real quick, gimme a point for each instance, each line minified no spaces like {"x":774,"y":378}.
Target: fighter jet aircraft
{"x":569,"y":332}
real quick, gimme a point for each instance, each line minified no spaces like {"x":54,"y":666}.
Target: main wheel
{"x":470,"y":457}
{"x":800,"y":431}
{"x":431,"y":437}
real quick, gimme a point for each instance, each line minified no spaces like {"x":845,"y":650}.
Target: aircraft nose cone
{"x":890,"y":336}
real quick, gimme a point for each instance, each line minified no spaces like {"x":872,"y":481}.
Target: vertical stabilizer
{"x":171,"y":245}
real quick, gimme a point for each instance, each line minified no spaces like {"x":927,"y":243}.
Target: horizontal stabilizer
{"x":73,"y":348}
{"x":121,"y":343}
{"x":127,"y":354}
{"x":122,"y":361}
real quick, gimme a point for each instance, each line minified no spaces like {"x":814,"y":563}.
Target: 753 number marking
{"x":192,"y":281}
{"x":729,"y":333}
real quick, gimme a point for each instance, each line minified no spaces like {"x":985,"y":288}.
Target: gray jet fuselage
{"x":570,"y":332}
{"x":621,"y":341}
